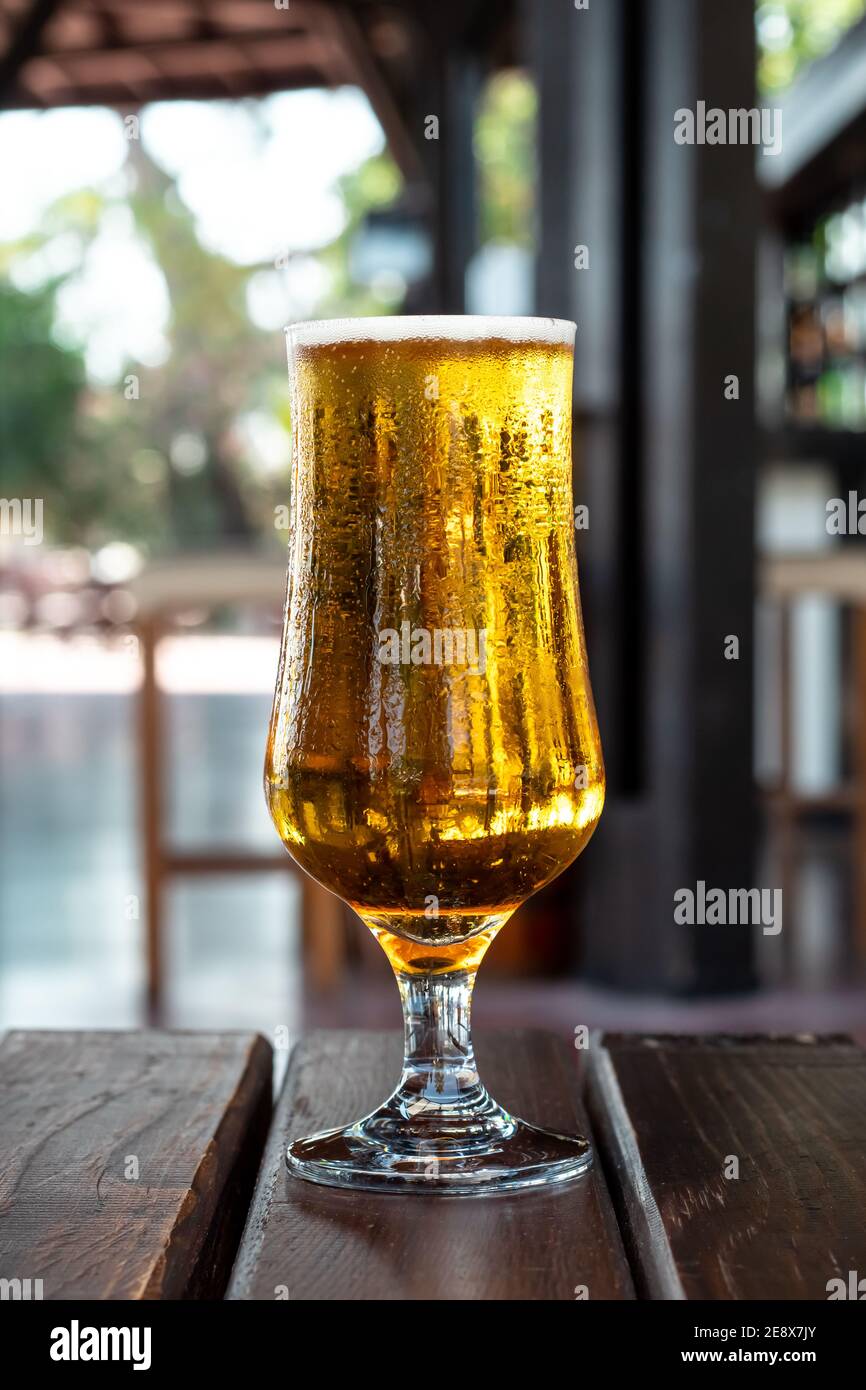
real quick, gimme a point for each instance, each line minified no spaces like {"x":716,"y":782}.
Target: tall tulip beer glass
{"x":433,"y":755}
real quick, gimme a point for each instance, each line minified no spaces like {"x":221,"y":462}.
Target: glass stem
{"x":440,"y":1101}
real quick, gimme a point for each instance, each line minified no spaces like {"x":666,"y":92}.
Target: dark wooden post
{"x":665,"y":463}
{"x":448,"y":92}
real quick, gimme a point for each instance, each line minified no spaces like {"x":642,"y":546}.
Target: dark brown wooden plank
{"x":191,"y":1108}
{"x":322,"y":1243}
{"x":670,"y":1113}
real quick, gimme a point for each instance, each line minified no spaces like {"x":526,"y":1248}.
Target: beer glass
{"x":433,"y":755}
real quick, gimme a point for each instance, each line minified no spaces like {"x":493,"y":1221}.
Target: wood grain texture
{"x":192,"y":1108}
{"x":670,"y":1113}
{"x":320,"y":1243}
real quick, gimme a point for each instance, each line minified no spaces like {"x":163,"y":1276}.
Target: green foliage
{"x":375,"y":184}
{"x":42,"y":383}
{"x":216,"y":361}
{"x":59,"y":440}
{"x":105,"y":458}
{"x":505,"y":151}
{"x":792,"y":33}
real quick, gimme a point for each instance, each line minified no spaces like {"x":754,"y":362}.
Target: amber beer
{"x":433,"y":753}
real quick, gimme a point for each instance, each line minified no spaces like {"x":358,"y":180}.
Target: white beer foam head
{"x":460,"y":328}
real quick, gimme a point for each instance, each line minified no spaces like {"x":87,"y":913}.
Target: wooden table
{"x":727,"y":1168}
{"x":127,"y":1160}
{"x":325,"y":1244}
{"x":163,"y":590}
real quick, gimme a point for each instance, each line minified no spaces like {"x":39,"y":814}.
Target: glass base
{"x":498,"y":1154}
{"x":440,"y":1131}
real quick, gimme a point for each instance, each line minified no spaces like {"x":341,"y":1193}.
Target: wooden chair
{"x":162,"y":591}
{"x":838,"y":574}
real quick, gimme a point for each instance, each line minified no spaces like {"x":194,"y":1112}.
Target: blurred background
{"x":179,"y":180}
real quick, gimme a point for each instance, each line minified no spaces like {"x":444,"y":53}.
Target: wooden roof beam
{"x":340,"y":27}
{"x":302,"y":48}
{"x":25,"y":42}
{"x":123,"y":96}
